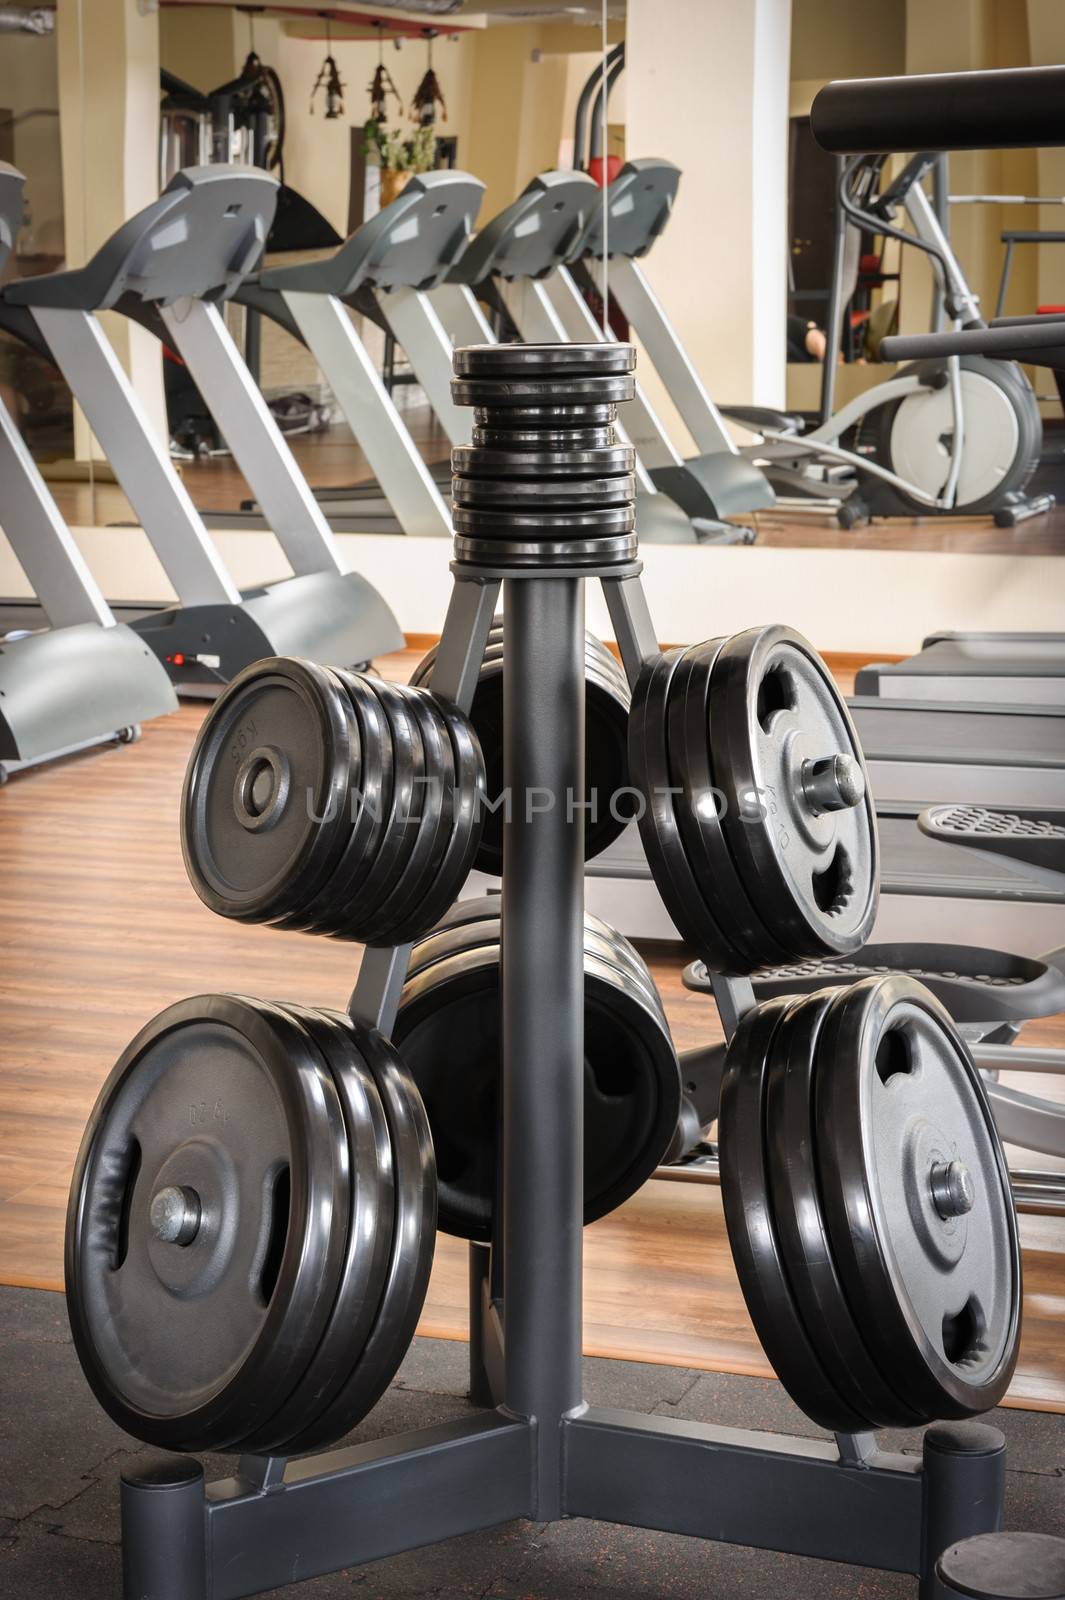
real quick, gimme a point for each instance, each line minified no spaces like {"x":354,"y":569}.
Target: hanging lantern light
{"x":329,"y":80}
{"x":428,"y":95}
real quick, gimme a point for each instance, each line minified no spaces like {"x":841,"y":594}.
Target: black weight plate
{"x":666,"y":856}
{"x":800,"y":1224}
{"x":477,"y":908}
{"x":304,"y":899}
{"x":535,"y":418}
{"x":814,"y":877}
{"x":605,"y":747}
{"x":413,"y":1242}
{"x":597,"y":658}
{"x":435,"y":809}
{"x":936,"y":1290}
{"x":751,"y":1230}
{"x":403,"y":815}
{"x":337,"y":907}
{"x":273,"y":755}
{"x":690,"y":738}
{"x":187,"y":1344}
{"x":494,"y":554}
{"x":468,"y":819}
{"x":567,"y":527}
{"x":369,"y":1237}
{"x":519,"y":494}
{"x":498,"y":396}
{"x":552,"y":453}
{"x":556,"y":361}
{"x":448,"y":1030}
{"x":609,"y":949}
{"x":503,"y":435}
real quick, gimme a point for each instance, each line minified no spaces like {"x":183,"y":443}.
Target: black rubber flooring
{"x":60,"y":1460}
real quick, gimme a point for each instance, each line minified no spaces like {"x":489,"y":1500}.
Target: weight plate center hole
{"x":261,"y":788}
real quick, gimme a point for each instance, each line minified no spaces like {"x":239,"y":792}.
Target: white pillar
{"x":707,"y":86}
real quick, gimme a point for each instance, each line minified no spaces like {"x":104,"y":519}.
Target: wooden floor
{"x":333,"y":458}
{"x":99,"y":930}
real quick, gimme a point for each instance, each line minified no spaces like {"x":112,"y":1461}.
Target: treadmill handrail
{"x":12,"y":207}
{"x":545,"y":224}
{"x":639,"y":204}
{"x":413,"y":243}
{"x":200,"y":239}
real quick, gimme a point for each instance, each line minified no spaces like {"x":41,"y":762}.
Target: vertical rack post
{"x":542,"y":979}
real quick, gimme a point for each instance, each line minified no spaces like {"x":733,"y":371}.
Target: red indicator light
{"x":178,"y":658}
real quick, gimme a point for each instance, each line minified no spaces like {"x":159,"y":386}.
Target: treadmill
{"x":82,"y":679}
{"x":1010,"y":668}
{"x":172,"y":267}
{"x":413,"y":270}
{"x":383,"y":270}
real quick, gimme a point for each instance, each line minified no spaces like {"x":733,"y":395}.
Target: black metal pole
{"x":964,"y":1487}
{"x":164,"y":1531}
{"x":543,"y":1009}
{"x":837,"y":305}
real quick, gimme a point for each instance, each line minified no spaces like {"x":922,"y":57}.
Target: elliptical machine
{"x":949,"y":436}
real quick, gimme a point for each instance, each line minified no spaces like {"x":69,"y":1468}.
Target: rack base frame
{"x":531,"y":1448}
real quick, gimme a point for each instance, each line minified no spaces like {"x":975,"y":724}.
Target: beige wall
{"x":511,"y":93}
{"x":108,"y":58}
{"x":847,"y":39}
{"x":29,"y":92}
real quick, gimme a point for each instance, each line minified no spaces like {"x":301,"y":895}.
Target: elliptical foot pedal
{"x":1031,"y":839}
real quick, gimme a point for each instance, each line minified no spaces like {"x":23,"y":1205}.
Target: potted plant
{"x":400,"y":155}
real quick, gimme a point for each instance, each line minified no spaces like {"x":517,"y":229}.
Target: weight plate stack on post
{"x":251,"y":1227}
{"x":609,"y":803}
{"x":545,"y":481}
{"x":332,"y":802}
{"x":757,"y":820}
{"x":868,"y":1207}
{"x":448,"y":1031}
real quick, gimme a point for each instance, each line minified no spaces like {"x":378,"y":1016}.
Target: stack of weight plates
{"x":335,"y":803}
{"x":448,"y":1031}
{"x":758,"y":823}
{"x":251,"y":1228}
{"x":545,"y":481}
{"x":868,"y":1207}
{"x":607,"y":795}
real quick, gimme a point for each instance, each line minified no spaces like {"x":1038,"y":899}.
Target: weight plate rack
{"x":530,"y":1447}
